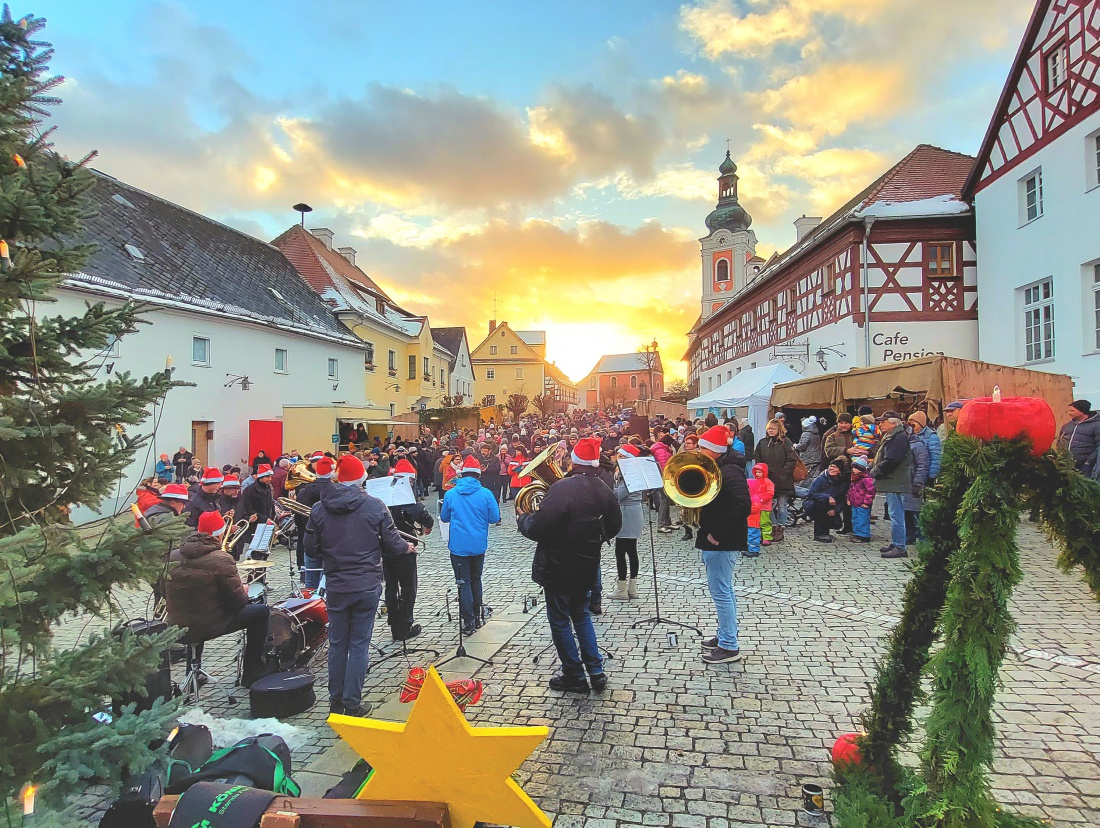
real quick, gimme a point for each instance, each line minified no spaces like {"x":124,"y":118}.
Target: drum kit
{"x":297,"y":627}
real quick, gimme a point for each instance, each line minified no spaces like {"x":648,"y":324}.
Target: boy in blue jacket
{"x":469,"y":508}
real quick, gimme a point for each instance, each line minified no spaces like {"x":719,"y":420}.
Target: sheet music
{"x":393,"y":491}
{"x":261,"y":541}
{"x":641,"y":474}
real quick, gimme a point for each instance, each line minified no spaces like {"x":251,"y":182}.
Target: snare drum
{"x":257,"y":593}
{"x":286,"y":640}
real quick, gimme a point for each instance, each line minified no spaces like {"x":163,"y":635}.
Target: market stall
{"x":746,"y":396}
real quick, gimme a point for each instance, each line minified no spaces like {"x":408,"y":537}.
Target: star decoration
{"x":438,"y":757}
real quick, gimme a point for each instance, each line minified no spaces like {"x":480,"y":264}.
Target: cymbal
{"x":250,"y":564}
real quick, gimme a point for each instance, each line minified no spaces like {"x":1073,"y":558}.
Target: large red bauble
{"x":846,"y":750}
{"x":1011,"y":418}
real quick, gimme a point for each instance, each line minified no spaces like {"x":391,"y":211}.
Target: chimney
{"x":805,"y":225}
{"x":492,"y":325}
{"x":324,"y":234}
{"x":347,"y":252}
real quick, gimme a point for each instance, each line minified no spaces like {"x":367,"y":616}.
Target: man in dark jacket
{"x":181,"y":462}
{"x":893,"y":478}
{"x":577,"y":516}
{"x":826,"y":499}
{"x":204,"y":498}
{"x":349,"y":531}
{"x":400,"y":569}
{"x":205,"y":595}
{"x":257,"y":505}
{"x":723,"y":534}
{"x":490,"y":469}
{"x":1081,"y":436}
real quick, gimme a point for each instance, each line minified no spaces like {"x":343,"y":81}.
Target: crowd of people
{"x":362,"y":547}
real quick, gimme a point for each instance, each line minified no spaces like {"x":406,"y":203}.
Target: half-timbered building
{"x":1036,"y":193}
{"x":901,"y":252}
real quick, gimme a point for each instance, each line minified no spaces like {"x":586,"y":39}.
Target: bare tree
{"x":517,"y":404}
{"x":545,"y":404}
{"x":650,"y":357}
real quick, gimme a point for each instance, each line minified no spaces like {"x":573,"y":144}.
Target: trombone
{"x":232,"y":532}
{"x":297,"y":508}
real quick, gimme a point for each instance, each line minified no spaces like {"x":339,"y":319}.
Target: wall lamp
{"x":239,"y":379}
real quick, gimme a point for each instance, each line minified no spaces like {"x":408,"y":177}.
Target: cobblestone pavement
{"x":674,"y":742}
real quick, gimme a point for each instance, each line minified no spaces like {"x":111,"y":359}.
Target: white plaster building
{"x":462,"y":380}
{"x":226,"y":308}
{"x":1036,"y":192}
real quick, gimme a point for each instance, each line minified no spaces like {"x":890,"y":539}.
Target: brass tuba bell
{"x":546,"y":472}
{"x":297,"y":475}
{"x":691,"y":481}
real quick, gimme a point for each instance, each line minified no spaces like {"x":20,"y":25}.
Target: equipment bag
{"x":134,"y":809}
{"x":190,"y":747}
{"x":259,"y":762}
{"x":351,"y":783}
{"x":213,"y":805}
{"x":158,"y":685}
{"x":283,"y":694}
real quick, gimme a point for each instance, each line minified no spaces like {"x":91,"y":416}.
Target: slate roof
{"x":154,"y":251}
{"x":532,"y":337}
{"x":450,"y":339}
{"x":623,"y":364}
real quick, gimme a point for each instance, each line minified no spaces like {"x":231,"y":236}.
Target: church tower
{"x":730,"y":245}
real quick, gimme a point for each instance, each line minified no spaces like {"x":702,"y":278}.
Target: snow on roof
{"x":943,"y":205}
{"x":622,"y":363}
{"x":532,"y":337}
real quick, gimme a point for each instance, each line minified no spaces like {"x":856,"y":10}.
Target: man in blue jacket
{"x":349,"y":530}
{"x":469,"y":508}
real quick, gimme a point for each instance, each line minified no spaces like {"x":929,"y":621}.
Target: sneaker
{"x":598,"y":682}
{"x":666,"y":530}
{"x":887,"y":548}
{"x":846,"y":530}
{"x":565,"y":685}
{"x":720,"y":655}
{"x":468,"y":630}
{"x":336,"y":707}
{"x":861,"y":539}
{"x":709,"y":644}
{"x":362,"y":711}
{"x":895,"y":552}
{"x":823,"y":538}
{"x":752,"y":554}
{"x":765,"y":543}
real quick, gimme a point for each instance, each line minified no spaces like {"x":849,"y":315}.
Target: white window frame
{"x":1038,"y":315}
{"x":514,"y":350}
{"x":492,"y":350}
{"x":490,"y":399}
{"x":203,"y":363}
{"x":1025,"y":191}
{"x":1055,"y":80}
{"x":112,"y":349}
{"x":519,"y":373}
{"x":334,"y":368}
{"x":286,"y":361}
{"x":392,"y":364}
{"x":490,"y":373}
{"x":1092,"y":161}
{"x":368,"y":355}
{"x":1091,"y":272}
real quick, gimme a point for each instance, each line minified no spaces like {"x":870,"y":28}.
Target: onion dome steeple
{"x":728,"y":215}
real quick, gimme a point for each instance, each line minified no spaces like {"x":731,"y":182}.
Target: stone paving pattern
{"x":675,"y":742}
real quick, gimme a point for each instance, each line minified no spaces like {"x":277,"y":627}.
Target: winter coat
{"x":809,"y":448}
{"x":408,"y":518}
{"x":726,"y":518}
{"x":311,"y":493}
{"x":348,"y":530}
{"x":469,"y":508}
{"x":630,"y":504}
{"x":861,"y":493}
{"x":514,"y":466}
{"x":779,"y":456}
{"x":225,"y":503}
{"x":159,"y":513}
{"x":146,"y":498}
{"x":578,"y":515}
{"x":204,"y":591}
{"x":762,"y":492}
{"x":181,"y":462}
{"x":748,"y":438}
{"x":1081,"y":440}
{"x":490,"y":468}
{"x":921,"y":462}
{"x":893,"y":460}
{"x":825,"y":487}
{"x":200,"y":502}
{"x":259,"y":500}
{"x":164,"y":470}
{"x":278,"y":482}
{"x":935,"y":451}
{"x":837,"y":443}
{"x":661,"y":453}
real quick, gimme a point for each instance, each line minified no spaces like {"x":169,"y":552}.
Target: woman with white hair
{"x":809,"y":447}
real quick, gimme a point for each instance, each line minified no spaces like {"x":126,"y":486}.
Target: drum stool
{"x":194,"y":676}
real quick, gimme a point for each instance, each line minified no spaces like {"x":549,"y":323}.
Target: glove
{"x":918,"y":491}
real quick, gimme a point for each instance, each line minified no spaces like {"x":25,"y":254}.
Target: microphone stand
{"x":461,"y":651}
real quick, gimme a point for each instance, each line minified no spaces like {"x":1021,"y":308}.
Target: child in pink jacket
{"x":861,"y":496}
{"x":762,"y":492}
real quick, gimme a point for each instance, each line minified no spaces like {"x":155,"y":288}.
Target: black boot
{"x":687,"y":533}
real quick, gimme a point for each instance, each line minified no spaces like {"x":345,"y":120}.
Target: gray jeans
{"x":663,"y":517}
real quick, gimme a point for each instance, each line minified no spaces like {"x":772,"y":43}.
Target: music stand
{"x":641,"y":474}
{"x":461,"y":651}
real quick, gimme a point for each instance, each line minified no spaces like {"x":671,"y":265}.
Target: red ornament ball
{"x":846,"y":750}
{"x":1010,"y":418}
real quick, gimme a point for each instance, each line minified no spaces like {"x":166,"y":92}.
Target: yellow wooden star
{"x":438,"y":757}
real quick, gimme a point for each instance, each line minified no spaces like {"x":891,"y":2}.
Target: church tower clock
{"x":729,"y":246}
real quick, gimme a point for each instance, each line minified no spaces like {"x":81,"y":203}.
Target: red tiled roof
{"x":307,"y":252}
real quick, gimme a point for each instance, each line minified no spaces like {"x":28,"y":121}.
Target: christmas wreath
{"x":997,"y":466}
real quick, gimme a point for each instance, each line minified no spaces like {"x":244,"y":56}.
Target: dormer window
{"x":380,"y":306}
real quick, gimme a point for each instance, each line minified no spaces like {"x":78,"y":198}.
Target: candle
{"x":28,"y":800}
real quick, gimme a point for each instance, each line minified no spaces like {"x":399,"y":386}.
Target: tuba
{"x":691,"y":481}
{"x":297,"y":475}
{"x":546,"y":472}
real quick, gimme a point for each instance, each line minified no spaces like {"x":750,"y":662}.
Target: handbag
{"x":800,"y":472}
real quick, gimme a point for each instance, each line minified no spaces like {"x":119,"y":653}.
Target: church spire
{"x":728,"y":215}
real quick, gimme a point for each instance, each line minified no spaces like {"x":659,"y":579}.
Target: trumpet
{"x":293,"y":506}
{"x":233,"y":532}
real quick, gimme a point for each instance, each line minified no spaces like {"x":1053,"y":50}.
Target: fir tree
{"x":62,"y":443}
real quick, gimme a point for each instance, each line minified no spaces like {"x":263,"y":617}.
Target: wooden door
{"x":202,"y":433}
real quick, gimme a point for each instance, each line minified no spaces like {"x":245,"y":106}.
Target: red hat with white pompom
{"x":471,"y":466}
{"x":350,"y":470}
{"x":716,"y":439}
{"x":586,"y":452}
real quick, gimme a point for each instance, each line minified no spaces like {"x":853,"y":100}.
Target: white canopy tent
{"x":750,"y":389}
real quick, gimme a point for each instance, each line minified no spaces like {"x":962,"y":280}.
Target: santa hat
{"x":404,"y":467}
{"x":586,"y":453}
{"x":211,"y":523}
{"x":264,"y":470}
{"x":231,"y":482}
{"x":174,"y":491}
{"x":324,"y":466}
{"x":350,"y":470}
{"x":471,"y":466}
{"x":629,"y":451}
{"x":317,"y":455}
{"x":716,"y":438}
{"x":211,"y":475}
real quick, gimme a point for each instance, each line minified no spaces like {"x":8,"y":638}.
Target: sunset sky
{"x":559,"y":157}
